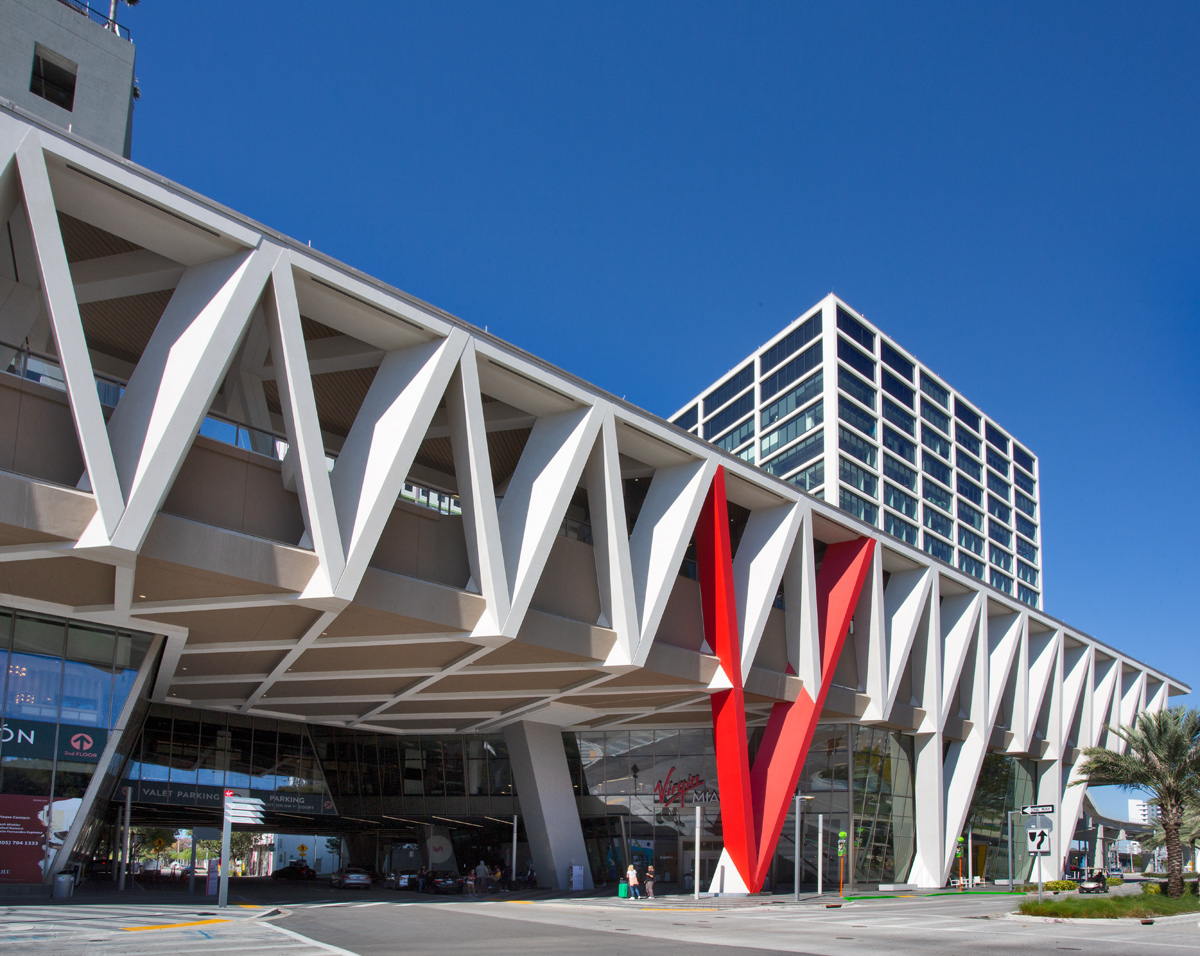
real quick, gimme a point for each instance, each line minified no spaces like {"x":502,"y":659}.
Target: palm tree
{"x":1162,"y":757}
{"x":1189,"y":831}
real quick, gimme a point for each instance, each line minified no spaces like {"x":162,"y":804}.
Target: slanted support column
{"x":539,"y":766}
{"x":930,"y":810}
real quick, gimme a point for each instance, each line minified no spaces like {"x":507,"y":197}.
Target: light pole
{"x":799,"y":835}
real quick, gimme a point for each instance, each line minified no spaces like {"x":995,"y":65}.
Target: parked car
{"x":445,"y":881}
{"x":402,"y":880}
{"x":1116,"y":872}
{"x":1097,"y":882}
{"x":353,"y":877}
{"x":295,"y":871}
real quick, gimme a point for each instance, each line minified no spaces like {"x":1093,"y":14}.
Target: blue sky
{"x":642,"y":193}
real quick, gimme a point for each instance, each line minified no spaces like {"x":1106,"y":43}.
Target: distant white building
{"x":315,"y":852}
{"x":1142,"y":812}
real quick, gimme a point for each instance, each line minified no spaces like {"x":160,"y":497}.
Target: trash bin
{"x":623,"y":890}
{"x":64,"y":885}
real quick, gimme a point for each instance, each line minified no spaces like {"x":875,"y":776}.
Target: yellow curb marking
{"x":249,"y":906}
{"x":199,"y":922}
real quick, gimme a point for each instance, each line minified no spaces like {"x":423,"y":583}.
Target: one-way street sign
{"x":1040,"y":808}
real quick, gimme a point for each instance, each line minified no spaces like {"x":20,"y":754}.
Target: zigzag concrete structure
{"x":333,"y":505}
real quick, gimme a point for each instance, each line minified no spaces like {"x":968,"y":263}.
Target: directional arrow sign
{"x":1039,"y":808}
{"x":1037,"y":841}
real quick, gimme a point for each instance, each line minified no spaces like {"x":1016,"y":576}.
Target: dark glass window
{"x":898,"y":472}
{"x":932,"y":491}
{"x":1022,"y":457}
{"x":935,"y":390}
{"x":932,"y":414}
{"x":732,"y":413}
{"x":1027,"y":528}
{"x":853,"y":445}
{"x":851,"y":414}
{"x":997,"y":485}
{"x":968,"y":441}
{"x":970,"y":515}
{"x":893,"y":386}
{"x":895,"y":360}
{"x":966,"y":414}
{"x":997,"y":532}
{"x":807,"y":420}
{"x":1026,"y":595}
{"x":797,"y":338}
{"x":742,"y":379}
{"x":932,"y":466}
{"x":932,"y":440}
{"x":795,"y":456}
{"x":687,"y":419}
{"x":798,"y":397}
{"x":1028,"y":551}
{"x":969,"y":491}
{"x":996,"y":437}
{"x":855,"y":359}
{"x":802,"y":364}
{"x":864,"y":510}
{"x":858,"y":478}
{"x":856,"y":388}
{"x":1023,"y":481}
{"x":939,"y":549}
{"x":855,"y":330}
{"x":968,"y":465}
{"x":970,"y":540}
{"x":893,"y":497}
{"x":893,"y":442}
{"x":899,"y":528}
{"x":1000,"y":558}
{"x":1000,"y":581}
{"x":899,"y":417}
{"x":53,"y":77}
{"x":731,"y":440}
{"x":1027,"y":574}
{"x":998,"y":510}
{"x":1025,"y":504}
{"x":971,"y":566}
{"x":811,"y":477}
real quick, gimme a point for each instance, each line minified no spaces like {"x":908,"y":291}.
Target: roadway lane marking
{"x":378,"y":903}
{"x":337,"y":950}
{"x":200,"y":922}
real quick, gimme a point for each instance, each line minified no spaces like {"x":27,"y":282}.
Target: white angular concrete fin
{"x":302,"y":424}
{"x":1043,"y":660}
{"x":124,"y":274}
{"x":1004,"y":640}
{"x":537,"y":498}
{"x":610,"y":537}
{"x":383,"y":441}
{"x":758,"y":568}
{"x":960,"y":622}
{"x":800,"y":606}
{"x":1104,"y":684}
{"x":929,"y":811}
{"x":173,"y":385}
{"x":870,"y":642}
{"x":904,"y":600}
{"x":1133,"y":699}
{"x":1076,"y":667}
{"x":660,"y":538}
{"x":726,"y":878}
{"x":63,"y":310}
{"x":720,"y":680}
{"x":930,"y":689}
{"x":476,"y":492}
{"x":11,"y":137}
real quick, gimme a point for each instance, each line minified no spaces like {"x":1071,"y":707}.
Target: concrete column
{"x":539,"y":767}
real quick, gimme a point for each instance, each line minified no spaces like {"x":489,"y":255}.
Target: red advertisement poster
{"x":22,"y":838}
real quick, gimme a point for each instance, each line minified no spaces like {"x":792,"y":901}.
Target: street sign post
{"x":1039,"y":837}
{"x":240,"y":808}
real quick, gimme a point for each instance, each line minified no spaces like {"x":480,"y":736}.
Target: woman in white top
{"x":632,"y":879}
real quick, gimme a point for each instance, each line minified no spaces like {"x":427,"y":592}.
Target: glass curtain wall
{"x":1005,"y":783}
{"x":64,"y":685}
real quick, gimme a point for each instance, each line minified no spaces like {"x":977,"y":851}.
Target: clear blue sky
{"x":642,"y":193}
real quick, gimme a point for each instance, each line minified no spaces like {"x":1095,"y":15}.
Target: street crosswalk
{"x":128,"y":930}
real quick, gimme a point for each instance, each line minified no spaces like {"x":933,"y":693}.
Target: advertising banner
{"x":22,"y":838}
{"x":202,"y":795}
{"x":35,"y":740}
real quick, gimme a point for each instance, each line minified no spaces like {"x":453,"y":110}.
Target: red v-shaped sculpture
{"x":754,"y":803}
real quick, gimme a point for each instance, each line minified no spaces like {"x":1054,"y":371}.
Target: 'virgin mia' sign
{"x":672,"y":789}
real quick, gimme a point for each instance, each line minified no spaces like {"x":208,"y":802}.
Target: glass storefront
{"x":1005,"y":783}
{"x":64,"y":686}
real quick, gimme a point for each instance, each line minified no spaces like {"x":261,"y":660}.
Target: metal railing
{"x":99,"y":17}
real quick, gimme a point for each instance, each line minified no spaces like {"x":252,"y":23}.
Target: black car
{"x":444,"y":881}
{"x":295,"y":871}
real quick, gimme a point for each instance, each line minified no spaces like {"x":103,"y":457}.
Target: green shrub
{"x":1061,"y":885}
{"x":1115,"y":881}
{"x":1150,"y":888}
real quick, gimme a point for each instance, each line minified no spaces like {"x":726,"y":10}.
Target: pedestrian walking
{"x":648,"y":882}
{"x":631,"y":878}
{"x":471,"y":882}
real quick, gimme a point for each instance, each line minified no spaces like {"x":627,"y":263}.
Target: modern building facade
{"x":266,"y":522}
{"x":834,"y":406}
{"x":70,"y":65}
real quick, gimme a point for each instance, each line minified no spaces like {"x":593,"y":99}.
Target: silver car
{"x":353,"y":877}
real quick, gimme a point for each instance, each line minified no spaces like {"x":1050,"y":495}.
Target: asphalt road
{"x":919,"y":926}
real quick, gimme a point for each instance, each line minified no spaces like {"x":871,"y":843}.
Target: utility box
{"x":64,"y":885}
